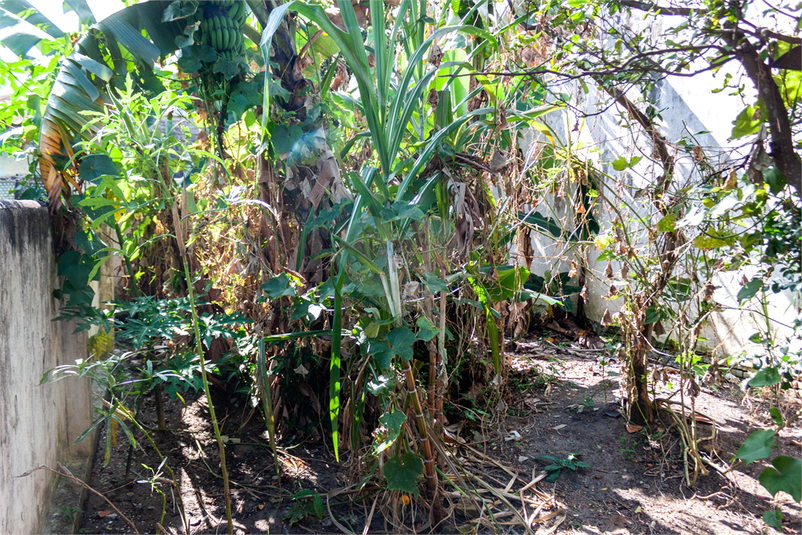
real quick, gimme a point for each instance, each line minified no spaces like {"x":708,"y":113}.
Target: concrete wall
{"x":38,"y":424}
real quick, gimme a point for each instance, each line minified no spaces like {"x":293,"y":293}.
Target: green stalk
{"x":267,"y":401}
{"x":162,"y":460}
{"x":199,"y":348}
{"x":128,"y":265}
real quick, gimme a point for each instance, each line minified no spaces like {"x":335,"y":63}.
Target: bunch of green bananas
{"x":221,"y":24}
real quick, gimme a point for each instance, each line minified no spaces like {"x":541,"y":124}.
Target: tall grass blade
{"x":336,"y":357}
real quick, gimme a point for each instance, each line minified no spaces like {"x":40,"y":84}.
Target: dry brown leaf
{"x":633,"y":428}
{"x":501,"y":119}
{"x":435,"y":55}
{"x":732,"y":180}
{"x":573,"y":271}
{"x":432,"y":98}
{"x":528,"y":56}
{"x":499,"y":161}
{"x":104,"y":513}
{"x":658,"y":329}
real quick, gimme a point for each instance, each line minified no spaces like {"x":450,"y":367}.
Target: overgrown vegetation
{"x":319,"y":206}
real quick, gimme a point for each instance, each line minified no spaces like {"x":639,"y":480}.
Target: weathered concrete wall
{"x":38,"y":424}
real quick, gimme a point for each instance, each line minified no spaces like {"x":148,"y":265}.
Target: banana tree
{"x":208,"y":37}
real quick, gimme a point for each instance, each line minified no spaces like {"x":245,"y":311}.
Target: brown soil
{"x":561,"y":401}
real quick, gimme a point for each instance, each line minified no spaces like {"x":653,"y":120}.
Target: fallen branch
{"x":81,"y":483}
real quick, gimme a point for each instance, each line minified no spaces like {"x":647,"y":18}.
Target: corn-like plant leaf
{"x":431,"y":146}
{"x":334,"y":367}
{"x":265,"y":44}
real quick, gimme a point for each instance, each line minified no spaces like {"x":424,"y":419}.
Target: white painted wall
{"x":12,"y":167}
{"x":688,"y":106}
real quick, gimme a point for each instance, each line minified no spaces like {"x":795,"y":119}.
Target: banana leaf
{"x":82,"y":83}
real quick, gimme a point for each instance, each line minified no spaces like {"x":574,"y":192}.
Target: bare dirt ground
{"x":561,"y":401}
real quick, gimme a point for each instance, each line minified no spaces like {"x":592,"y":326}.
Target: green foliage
{"x":570,"y":463}
{"x":302,"y":507}
{"x":402,"y":473}
{"x":392,"y":423}
{"x":774,"y":518}
{"x":785,"y":475}
{"x":758,"y":445}
{"x":766,"y":377}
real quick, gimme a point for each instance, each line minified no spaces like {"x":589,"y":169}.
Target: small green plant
{"x":628,"y":451}
{"x":571,"y":463}
{"x":71,"y":512}
{"x":303,"y":507}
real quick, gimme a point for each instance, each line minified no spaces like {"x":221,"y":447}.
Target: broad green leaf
{"x":285,"y":137}
{"x":776,"y":415}
{"x":775,"y":179}
{"x":401,"y":341}
{"x":758,"y":445}
{"x":27,"y":12}
{"x":180,"y":9}
{"x":402,"y":473}
{"x":622,"y":163}
{"x":704,"y":241}
{"x":766,"y":377}
{"x":21,"y":38}
{"x":227,"y":68}
{"x":121,"y":30}
{"x":786,"y":476}
{"x":402,"y":211}
{"x":435,"y":284}
{"x":279,"y":287}
{"x":747,"y":123}
{"x":426,"y":329}
{"x":392,"y":422}
{"x":82,"y":9}
{"x":542,"y":222}
{"x":95,"y":166}
{"x":510,"y":281}
{"x":653,"y":315}
{"x":73,"y":266}
{"x":749,"y":290}
{"x":667,"y":223}
{"x":95,"y":67}
{"x":774,"y":518}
